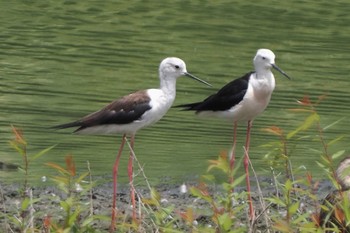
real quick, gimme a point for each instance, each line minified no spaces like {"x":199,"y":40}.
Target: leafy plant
{"x":20,"y":145}
{"x":25,"y":217}
{"x":290,"y":193}
{"x":71,"y":184}
{"x":227,"y":207}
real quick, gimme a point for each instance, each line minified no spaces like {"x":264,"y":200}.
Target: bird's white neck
{"x":264,"y":81}
{"x":168,"y":86}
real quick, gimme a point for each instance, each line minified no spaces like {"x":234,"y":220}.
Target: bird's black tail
{"x":188,"y":107}
{"x":67,"y":125}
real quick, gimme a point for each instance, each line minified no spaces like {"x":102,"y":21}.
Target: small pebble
{"x":183,"y":188}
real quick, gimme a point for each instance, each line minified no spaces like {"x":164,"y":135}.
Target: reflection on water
{"x":60,"y":60}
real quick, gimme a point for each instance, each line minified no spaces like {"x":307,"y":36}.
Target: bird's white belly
{"x":253,"y":104}
{"x":130,"y":128}
{"x":248,"y":109}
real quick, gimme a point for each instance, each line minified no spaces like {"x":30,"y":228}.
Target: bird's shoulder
{"x":228,"y":96}
{"x":121,"y":111}
{"x":236,"y":86}
{"x":128,"y":102}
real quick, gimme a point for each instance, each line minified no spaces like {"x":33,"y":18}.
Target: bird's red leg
{"x":130,"y":174}
{"x":233,"y":153}
{"x":115,"y":174}
{"x":246,"y":167}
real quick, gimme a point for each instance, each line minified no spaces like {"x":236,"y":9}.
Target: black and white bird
{"x":133,"y":112}
{"x":242,"y":100}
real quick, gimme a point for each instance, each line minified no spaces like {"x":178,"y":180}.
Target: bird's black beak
{"x":195,"y":78}
{"x":280,"y":70}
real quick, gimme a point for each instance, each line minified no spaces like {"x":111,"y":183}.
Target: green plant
{"x":227,"y":207}
{"x":20,"y":145}
{"x":71,"y":184}
{"x":25,"y":216}
{"x":290,"y":192}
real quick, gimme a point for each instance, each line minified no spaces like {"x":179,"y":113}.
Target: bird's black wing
{"x":122,"y":111}
{"x":228,"y":96}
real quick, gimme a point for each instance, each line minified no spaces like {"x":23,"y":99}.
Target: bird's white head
{"x":264,"y":60}
{"x":173,"y":68}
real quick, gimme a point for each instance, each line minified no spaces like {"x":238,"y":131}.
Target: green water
{"x":60,"y":60}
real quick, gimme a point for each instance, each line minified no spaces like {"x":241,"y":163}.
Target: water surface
{"x":60,"y":60}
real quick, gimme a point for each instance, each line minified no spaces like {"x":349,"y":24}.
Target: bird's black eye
{"x":177,"y":67}
{"x":263,"y":58}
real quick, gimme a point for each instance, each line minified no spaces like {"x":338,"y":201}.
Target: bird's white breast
{"x":160,"y":104}
{"x":255,"y":100}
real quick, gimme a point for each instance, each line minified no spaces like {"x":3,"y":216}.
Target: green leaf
{"x":334,"y":123}
{"x":41,"y":153}
{"x":309,"y":121}
{"x":59,"y":168}
{"x":326,"y":161}
{"x":338,"y":154}
{"x":320,"y":164}
{"x":335,"y":140}
{"x":239,"y":180}
{"x":289,"y":185}
{"x":277,"y":201}
{"x":201,"y":194}
{"x":208,"y":177}
{"x":155,"y":195}
{"x":65,"y":206}
{"x":15,"y":146}
{"x":74,"y":216}
{"x":221,"y":163}
{"x":81,"y":177}
{"x":293,"y":208}
{"x":61,"y":180}
{"x":88,"y":221}
{"x":225,"y":221}
{"x":25,"y":203}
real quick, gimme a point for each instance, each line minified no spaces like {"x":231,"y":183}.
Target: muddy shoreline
{"x":98,"y":200}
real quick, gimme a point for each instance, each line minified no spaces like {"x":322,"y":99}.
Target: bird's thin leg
{"x":233,"y":153}
{"x":246,"y":167}
{"x":115,"y":174}
{"x":130,"y":174}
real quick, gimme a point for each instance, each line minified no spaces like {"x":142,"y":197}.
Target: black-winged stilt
{"x":132,"y":112}
{"x":242,"y":100}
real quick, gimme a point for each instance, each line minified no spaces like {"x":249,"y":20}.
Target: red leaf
{"x":70,"y":165}
{"x":47,"y":222}
{"x":305,"y":101}
{"x":18,"y":135}
{"x":309,"y":178}
{"x":274,"y":130}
